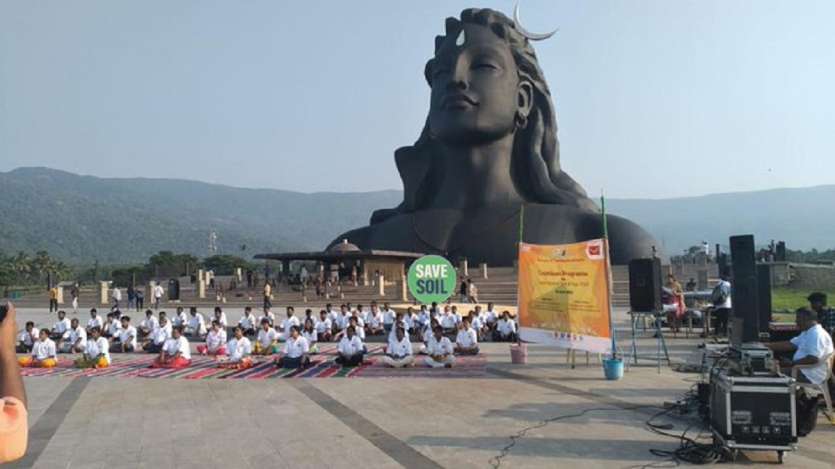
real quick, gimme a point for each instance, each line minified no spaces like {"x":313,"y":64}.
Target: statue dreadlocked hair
{"x":535,"y":162}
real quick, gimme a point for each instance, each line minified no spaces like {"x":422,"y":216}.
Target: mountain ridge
{"x":82,"y":218}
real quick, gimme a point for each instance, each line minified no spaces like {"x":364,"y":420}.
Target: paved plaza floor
{"x":543,"y":414}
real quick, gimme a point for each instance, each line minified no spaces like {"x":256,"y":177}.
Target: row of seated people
{"x":163,"y":337}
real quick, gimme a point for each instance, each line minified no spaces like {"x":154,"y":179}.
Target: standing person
{"x":74,"y":293}
{"x":472,"y":291}
{"x":131,"y":297}
{"x":140,"y":299}
{"x":53,"y":299}
{"x":462,"y":291}
{"x":268,"y":295}
{"x":675,"y":316}
{"x":826,"y":315}
{"x":14,"y":427}
{"x":116,"y":295}
{"x":721,"y":299}
{"x":158,"y":293}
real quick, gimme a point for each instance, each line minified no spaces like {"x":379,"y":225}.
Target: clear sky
{"x":653,"y":97}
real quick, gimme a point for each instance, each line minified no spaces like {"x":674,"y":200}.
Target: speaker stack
{"x":744,"y":291}
{"x":645,"y":285}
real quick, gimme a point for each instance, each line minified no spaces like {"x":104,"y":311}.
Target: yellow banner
{"x":564,"y":295}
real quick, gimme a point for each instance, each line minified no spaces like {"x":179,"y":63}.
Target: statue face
{"x":475,"y":88}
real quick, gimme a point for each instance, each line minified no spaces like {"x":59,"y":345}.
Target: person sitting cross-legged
{"x":295,"y":353}
{"x":215,"y":341}
{"x":97,"y":352}
{"x":324,"y":327}
{"x":309,"y":333}
{"x":74,"y":340}
{"x":267,"y":341}
{"x":125,"y":340}
{"x":148,"y":325}
{"x":399,"y":350}
{"x":94,"y":321}
{"x":505,"y":329}
{"x":196,"y":325}
{"x":158,"y":337}
{"x":61,"y":326}
{"x":439,"y":351}
{"x":350,"y":351}
{"x":466,"y":342}
{"x":248,"y":322}
{"x":175,"y":353}
{"x":44,"y":353}
{"x":239,"y":350}
{"x":27,"y":338}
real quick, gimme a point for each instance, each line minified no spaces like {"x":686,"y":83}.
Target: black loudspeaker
{"x":645,"y":284}
{"x":764,"y":297}
{"x":780,"y":255}
{"x":744,"y":296}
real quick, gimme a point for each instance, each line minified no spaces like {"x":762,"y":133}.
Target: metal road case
{"x":753,"y":412}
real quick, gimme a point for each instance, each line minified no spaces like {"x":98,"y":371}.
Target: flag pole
{"x":608,"y":272}
{"x":521,"y":223}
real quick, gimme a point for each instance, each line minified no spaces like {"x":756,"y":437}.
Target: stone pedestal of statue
{"x":464,"y":267}
{"x":201,"y":289}
{"x":483,"y":267}
{"x":381,"y":285}
{"x":60,"y":295}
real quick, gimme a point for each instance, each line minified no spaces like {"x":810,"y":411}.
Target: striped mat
{"x":322,"y":366}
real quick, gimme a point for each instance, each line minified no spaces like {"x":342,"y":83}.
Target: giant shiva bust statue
{"x":488,"y":148}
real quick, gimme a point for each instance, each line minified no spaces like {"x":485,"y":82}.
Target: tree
{"x":225,"y":264}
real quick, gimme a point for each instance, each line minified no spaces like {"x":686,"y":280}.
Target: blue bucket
{"x":613,"y":368}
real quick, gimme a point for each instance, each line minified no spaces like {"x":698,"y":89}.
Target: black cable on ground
{"x":496,"y":461}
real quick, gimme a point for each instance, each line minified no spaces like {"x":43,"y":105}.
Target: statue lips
{"x":458,"y":101}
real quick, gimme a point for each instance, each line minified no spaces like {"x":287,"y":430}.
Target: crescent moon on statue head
{"x":531,"y":36}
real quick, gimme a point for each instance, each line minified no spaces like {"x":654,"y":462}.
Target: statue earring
{"x":521,"y":120}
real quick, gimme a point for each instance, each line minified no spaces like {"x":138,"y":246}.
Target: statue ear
{"x":524,"y":99}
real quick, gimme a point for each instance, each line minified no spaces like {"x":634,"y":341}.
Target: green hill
{"x":82,"y":218}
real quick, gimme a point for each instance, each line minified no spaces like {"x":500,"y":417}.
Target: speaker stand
{"x":636,"y":316}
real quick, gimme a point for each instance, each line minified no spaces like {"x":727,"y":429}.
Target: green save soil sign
{"x":431,"y":279}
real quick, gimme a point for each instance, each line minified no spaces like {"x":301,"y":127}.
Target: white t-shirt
{"x":95,"y":322}
{"x":238,"y":349}
{"x":295,"y":348}
{"x":43,"y":349}
{"x":439,"y":347}
{"x":215,"y":339}
{"x":158,"y":291}
{"x":323,"y":326}
{"x":114,"y":328}
{"x":400,"y":348}
{"x":448,"y":321}
{"x":266,"y":338}
{"x":128,"y":336}
{"x":29,"y":338}
{"x":816,"y":342}
{"x":288,"y":323}
{"x":388,"y":316}
{"x":466,"y":338}
{"x":477,"y":322}
{"x":172,"y":346}
{"x":375,"y":321}
{"x":350,"y":346}
{"x":161,"y":334}
{"x":61,"y":326}
{"x":312,"y":337}
{"x":76,"y":334}
{"x":117,"y":294}
{"x":150,"y":323}
{"x":247,"y":321}
{"x":423,"y":318}
{"x":98,"y":347}
{"x":222,"y":320}
{"x":197,"y":323}
{"x":269,"y":317}
{"x":727,"y":303}
{"x":342,"y":321}
{"x":506,"y":327}
{"x":179,"y":319}
{"x":490,"y":316}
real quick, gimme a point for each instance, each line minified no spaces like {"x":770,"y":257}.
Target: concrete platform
{"x":543,"y":414}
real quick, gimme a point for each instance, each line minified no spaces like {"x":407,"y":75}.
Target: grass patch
{"x":785,"y":300}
